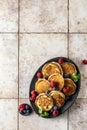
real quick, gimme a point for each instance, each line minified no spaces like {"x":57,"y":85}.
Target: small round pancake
{"x":72,"y":87}
{"x":44,"y":102}
{"x":58,"y":78}
{"x":42,"y":85}
{"x":58,"y":98}
{"x":68,"y":68}
{"x":51,"y":68}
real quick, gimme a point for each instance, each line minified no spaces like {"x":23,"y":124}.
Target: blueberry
{"x":51,"y":110}
{"x":66,"y":75}
{"x":45,"y":77}
{"x":24,"y":111}
{"x":47,"y":92}
{"x":27,"y":111}
{"x":27,"y":107}
{"x":55,"y":108}
{"x":55,"y":88}
{"x":67,"y":98}
{"x":20,"y":111}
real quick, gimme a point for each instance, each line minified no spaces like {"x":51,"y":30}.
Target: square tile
{"x":8,"y":66}
{"x":34,"y":122}
{"x":8,"y":15}
{"x":8,"y":114}
{"x":43,"y":15}
{"x":78,"y":52}
{"x":77,"y":115}
{"x":78,"y":15}
{"x":35,"y":49}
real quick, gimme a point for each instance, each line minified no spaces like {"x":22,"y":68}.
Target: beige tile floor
{"x":31,"y":32}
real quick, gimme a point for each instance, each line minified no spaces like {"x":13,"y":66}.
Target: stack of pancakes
{"x":53,"y":71}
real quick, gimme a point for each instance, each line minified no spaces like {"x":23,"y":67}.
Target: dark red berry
{"x":66,"y":89}
{"x":39,"y":75}
{"x":22,"y":107}
{"x":84,"y":61}
{"x":33,"y":92}
{"x":32,"y":98}
{"x":55,"y":112}
{"x":60,"y":61}
{"x":53,"y":84}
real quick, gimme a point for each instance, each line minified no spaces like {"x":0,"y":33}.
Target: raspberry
{"x":84,"y":61}
{"x":33,"y":92}
{"x":32,"y":98}
{"x":39,"y":75}
{"x":53,"y":84}
{"x":22,"y":107}
{"x":60,"y":61}
{"x":66,"y":89}
{"x":55,"y":112}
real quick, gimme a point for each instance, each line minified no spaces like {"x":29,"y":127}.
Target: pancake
{"x":68,"y":68}
{"x":58,"y":78}
{"x":58,"y":98}
{"x":42,"y":85}
{"x":72,"y":87}
{"x":44,"y":102}
{"x":51,"y":68}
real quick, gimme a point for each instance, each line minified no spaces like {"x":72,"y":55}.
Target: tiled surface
{"x":77,"y":115}
{"x":78,"y":52}
{"x":8,"y":114}
{"x":41,"y":123}
{"x":35,"y":49}
{"x":45,"y":16}
{"x":8,"y":15}
{"x":78,"y":15}
{"x":8,"y":66}
{"x":30,"y":35}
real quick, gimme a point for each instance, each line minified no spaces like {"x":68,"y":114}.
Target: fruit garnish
{"x":66,"y":75}
{"x":55,"y":88}
{"x":55,"y":112}
{"x":60,"y":60}
{"x":33,"y":92}
{"x":84,"y":62}
{"x":47,"y":92}
{"x":43,"y":113}
{"x":66,"y":89}
{"x":55,"y":108}
{"x":40,"y":111}
{"x":46,"y":114}
{"x":76,"y":77}
{"x":32,"y":98}
{"x":53,"y":84}
{"x":39,"y":75}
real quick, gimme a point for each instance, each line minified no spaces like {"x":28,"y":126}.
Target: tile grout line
{"x":18,"y":58}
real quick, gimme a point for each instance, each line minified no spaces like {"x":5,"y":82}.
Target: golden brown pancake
{"x":68,"y":68}
{"x":44,"y":102}
{"x":58,"y":78}
{"x":42,"y":85}
{"x":72,"y":87}
{"x":51,"y":68}
{"x":58,"y":98}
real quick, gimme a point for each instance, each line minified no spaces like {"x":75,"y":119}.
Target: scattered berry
{"x":39,"y":75}
{"x":45,"y":77}
{"x":60,"y":61}
{"x":66,"y":89}
{"x":32,"y":98}
{"x":53,"y":84}
{"x":33,"y":92}
{"x":22,"y":107}
{"x":55,"y":112}
{"x":66,"y":75}
{"x":84,"y":62}
{"x":55,"y":88}
{"x":47,"y":92}
{"x":55,"y":108}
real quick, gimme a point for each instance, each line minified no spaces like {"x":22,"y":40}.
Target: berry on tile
{"x":84,"y":62}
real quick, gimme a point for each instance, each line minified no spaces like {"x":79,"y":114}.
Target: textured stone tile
{"x":43,"y":15}
{"x":35,"y":49}
{"x":8,"y":15}
{"x":77,"y":115}
{"x":8,"y":114}
{"x":78,"y":15}
{"x":78,"y":52}
{"x":34,"y":122}
{"x":8,"y":66}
